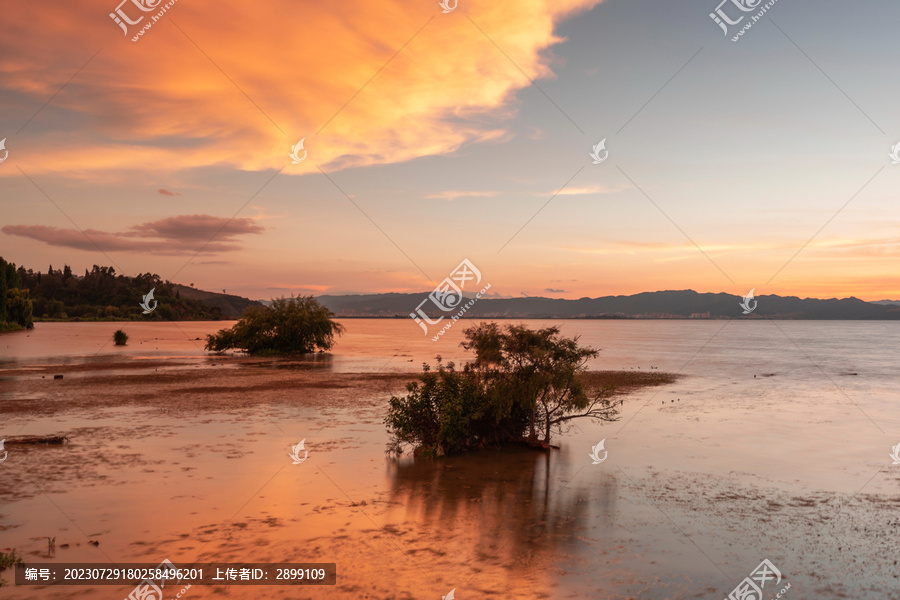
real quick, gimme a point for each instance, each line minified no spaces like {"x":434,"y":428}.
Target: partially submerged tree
{"x":522,"y":385}
{"x":289,"y":325}
{"x":538,"y":370}
{"x":449,"y":411}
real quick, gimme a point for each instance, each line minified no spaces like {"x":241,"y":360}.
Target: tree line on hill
{"x":15,"y":304}
{"x":100,"y":294}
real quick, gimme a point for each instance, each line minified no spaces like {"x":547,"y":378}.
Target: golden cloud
{"x":237,"y":84}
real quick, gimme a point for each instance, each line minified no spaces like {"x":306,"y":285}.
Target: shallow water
{"x":704,"y":479}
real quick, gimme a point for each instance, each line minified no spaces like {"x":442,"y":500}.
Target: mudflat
{"x":189,"y":460}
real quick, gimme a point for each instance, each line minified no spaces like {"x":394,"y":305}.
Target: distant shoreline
{"x":486,"y":318}
{"x":626,"y":318}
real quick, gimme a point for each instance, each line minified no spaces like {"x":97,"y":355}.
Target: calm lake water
{"x":774,"y":445}
{"x":697,"y":347}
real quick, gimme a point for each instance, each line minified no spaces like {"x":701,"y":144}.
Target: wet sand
{"x":188,"y":460}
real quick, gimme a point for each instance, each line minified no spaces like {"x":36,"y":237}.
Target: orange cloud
{"x":171,"y":236}
{"x":161,"y":103}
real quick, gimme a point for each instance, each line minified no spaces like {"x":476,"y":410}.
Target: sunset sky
{"x":170,"y":154}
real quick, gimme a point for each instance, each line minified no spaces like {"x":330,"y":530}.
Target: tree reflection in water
{"x":501,"y":520}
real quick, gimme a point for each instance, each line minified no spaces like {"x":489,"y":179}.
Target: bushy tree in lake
{"x":448,"y":412}
{"x":289,"y":325}
{"x":538,"y":371}
{"x":120,"y":337}
{"x":522,"y":384}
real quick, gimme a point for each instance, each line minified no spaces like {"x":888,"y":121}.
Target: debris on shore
{"x":36,"y":439}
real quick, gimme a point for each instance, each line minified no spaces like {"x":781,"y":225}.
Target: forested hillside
{"x":101,"y":294}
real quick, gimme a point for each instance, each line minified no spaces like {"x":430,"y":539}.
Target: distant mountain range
{"x":101,"y":294}
{"x":677,"y":304}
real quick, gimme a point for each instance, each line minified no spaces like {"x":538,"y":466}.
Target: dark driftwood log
{"x":38,"y":439}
